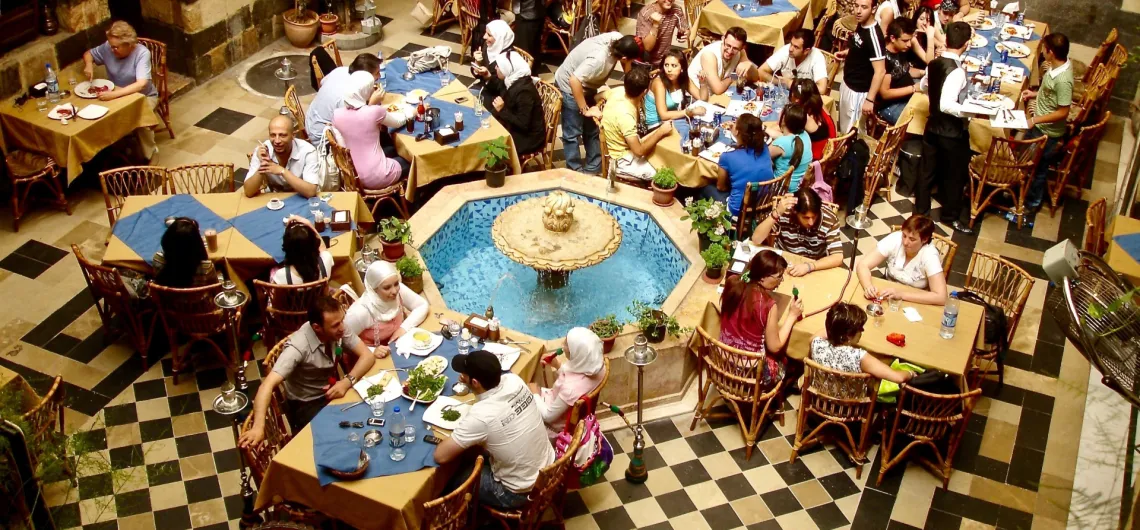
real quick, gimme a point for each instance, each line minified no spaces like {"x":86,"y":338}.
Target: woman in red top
{"x":820,"y":127}
{"x":749,"y":319}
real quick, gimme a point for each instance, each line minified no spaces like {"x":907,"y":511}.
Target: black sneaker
{"x":963,"y":228}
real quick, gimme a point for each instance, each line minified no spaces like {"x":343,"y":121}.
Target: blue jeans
{"x":1051,"y":154}
{"x":575,"y":125}
{"x":492,"y":493}
{"x":890,"y":112}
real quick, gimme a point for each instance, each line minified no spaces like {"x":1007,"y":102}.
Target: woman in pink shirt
{"x":749,"y":319}
{"x":360,"y":123}
{"x":581,"y":371}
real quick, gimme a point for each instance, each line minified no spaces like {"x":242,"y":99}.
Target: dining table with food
{"x":368,"y":457}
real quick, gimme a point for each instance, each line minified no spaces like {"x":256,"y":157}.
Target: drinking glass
{"x":41,"y":104}
{"x":895,"y":303}
{"x":444,"y":78}
{"x":454,"y":328}
{"x":478,"y":107}
{"x":485,"y":122}
{"x":71,"y":83}
{"x":409,"y":433}
{"x":377,"y":408}
{"x":315,"y":206}
{"x":354,"y":437}
{"x":464,"y":346}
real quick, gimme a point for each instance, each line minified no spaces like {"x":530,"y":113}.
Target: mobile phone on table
{"x":326,"y":239}
{"x":376,"y":422}
{"x":461,"y":99}
{"x":432,"y":439}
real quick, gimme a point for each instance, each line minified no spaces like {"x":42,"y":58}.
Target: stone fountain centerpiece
{"x":555,"y":235}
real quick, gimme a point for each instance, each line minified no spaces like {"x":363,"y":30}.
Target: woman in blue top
{"x":793,"y":144}
{"x":663,"y":100}
{"x":748,"y":162}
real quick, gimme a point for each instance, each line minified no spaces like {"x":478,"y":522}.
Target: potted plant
{"x":394,"y":234}
{"x":300,"y":24}
{"x":328,"y":21}
{"x":411,"y":273}
{"x":495,"y":154}
{"x":716,"y":256}
{"x":710,"y":219}
{"x":653,"y":322}
{"x":664,"y":185}
{"x":607,"y":329}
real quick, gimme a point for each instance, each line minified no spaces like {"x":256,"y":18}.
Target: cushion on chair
{"x":27,"y":163}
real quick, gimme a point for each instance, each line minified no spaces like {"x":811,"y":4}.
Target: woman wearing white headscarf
{"x":515,"y":102}
{"x":386,"y":310}
{"x":581,"y":372}
{"x":498,"y":38}
{"x":360,"y":123}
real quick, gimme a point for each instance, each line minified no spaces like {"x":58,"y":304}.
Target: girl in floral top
{"x":749,"y":318}
{"x":835,"y":350}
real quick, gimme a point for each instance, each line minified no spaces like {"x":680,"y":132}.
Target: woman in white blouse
{"x":910,"y":260}
{"x":378,"y":317}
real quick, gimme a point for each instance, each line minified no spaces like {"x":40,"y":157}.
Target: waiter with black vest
{"x":948,"y":133}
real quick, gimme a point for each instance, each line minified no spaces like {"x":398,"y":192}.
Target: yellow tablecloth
{"x":1116,"y":257}
{"x":80,"y":140}
{"x":432,"y":161}
{"x":393,"y":502}
{"x":717,"y":16}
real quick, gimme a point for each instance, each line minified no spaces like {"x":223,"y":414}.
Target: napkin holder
{"x":765,"y":2}
{"x":478,"y":326}
{"x":446,"y":135}
{"x":341,"y":221}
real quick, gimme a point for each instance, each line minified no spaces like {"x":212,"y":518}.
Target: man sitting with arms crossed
{"x":305,"y":366}
{"x":507,"y":424}
{"x":712,"y":68}
{"x":800,"y":224}
{"x":797,"y":59}
{"x":302,"y":163}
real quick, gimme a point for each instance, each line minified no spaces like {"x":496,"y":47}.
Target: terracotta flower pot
{"x":392,"y":251}
{"x":415,"y":283}
{"x":300,"y":34}
{"x":663,"y":197}
{"x":608,"y":343}
{"x":328,"y":23}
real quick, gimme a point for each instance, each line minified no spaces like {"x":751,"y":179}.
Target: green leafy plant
{"x":495,"y":153}
{"x":423,"y":384}
{"x":665,"y":178}
{"x":395,"y":230}
{"x":1096,"y":310}
{"x":715,"y":256}
{"x":709,"y":218}
{"x":409,"y":267}
{"x":607,"y":326}
{"x":647,"y":318}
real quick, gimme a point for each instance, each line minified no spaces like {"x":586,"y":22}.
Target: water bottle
{"x":464,"y":342}
{"x":396,"y":434}
{"x":52,"y":84}
{"x":949,"y":317}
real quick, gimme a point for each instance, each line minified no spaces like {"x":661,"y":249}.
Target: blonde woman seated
{"x":835,"y":348}
{"x":911,"y":260}
{"x":378,"y":317}
{"x":580,"y":371}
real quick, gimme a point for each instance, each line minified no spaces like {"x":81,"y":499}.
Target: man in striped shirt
{"x":800,"y":224}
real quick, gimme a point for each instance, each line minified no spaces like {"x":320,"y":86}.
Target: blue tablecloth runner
{"x":778,"y":6}
{"x":1130,"y":243}
{"x":447,"y":112}
{"x":264,"y":227}
{"x":327,"y":434}
{"x":994,"y":37}
{"x":394,"y":78}
{"x":142,"y":231}
{"x":682,"y":125}
{"x":448,"y":349}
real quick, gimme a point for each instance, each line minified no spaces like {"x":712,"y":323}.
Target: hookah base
{"x":636,"y":472}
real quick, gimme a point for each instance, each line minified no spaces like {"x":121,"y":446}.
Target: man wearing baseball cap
{"x":506,"y":422}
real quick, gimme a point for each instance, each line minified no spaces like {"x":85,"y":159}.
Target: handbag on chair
{"x":594,"y":454}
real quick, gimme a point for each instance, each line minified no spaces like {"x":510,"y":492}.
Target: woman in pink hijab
{"x":580,"y":370}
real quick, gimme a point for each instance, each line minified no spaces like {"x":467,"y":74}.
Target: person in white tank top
{"x":727,"y":57}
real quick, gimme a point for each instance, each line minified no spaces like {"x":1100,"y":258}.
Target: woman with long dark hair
{"x":668,"y":90}
{"x":183,"y":261}
{"x":819,"y":126}
{"x":749,"y":162}
{"x":306,"y":259}
{"x":792,"y":148}
{"x":749,"y":319}
{"x":925,"y":37}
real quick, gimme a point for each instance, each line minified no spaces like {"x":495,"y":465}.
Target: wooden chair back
{"x":927,"y":419}
{"x":45,"y":419}
{"x":1095,"y":219}
{"x":550,"y":486}
{"x":1095,"y":90}
{"x":829,"y":16}
{"x":562,"y":36}
{"x":468,"y":20}
{"x":201,"y":178}
{"x":1008,"y":167}
{"x":1000,"y":283}
{"x":552,"y":113}
{"x":833,"y":65}
{"x":1102,"y":52}
{"x":759,"y":198}
{"x":293,"y":103}
{"x":1119,"y":56}
{"x":113,"y":299}
{"x":734,"y":372}
{"x":1077,"y":161}
{"x":456,"y":510}
{"x":526,"y":56}
{"x":945,"y":246}
{"x":833,"y":153}
{"x":285,"y":308}
{"x":588,"y":404}
{"x":277,"y":398}
{"x":333,"y":50}
{"x":191,"y":310}
{"x":158,"y":76}
{"x":839,"y":401}
{"x":343,"y":158}
{"x":258,"y":458}
{"x":118,"y":184}
{"x":882,"y":164}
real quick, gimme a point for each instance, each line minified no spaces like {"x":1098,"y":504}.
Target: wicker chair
{"x":1078,"y":160}
{"x":26,"y":169}
{"x":468,"y":20}
{"x":1095,"y":218}
{"x":698,"y":37}
{"x":875,"y":126}
{"x":277,"y":397}
{"x":562,"y":36}
{"x":456,"y":510}
{"x":552,"y":113}
{"x":349,"y":181}
{"x":833,"y":154}
{"x":1083,"y":73}
{"x":259,"y":458}
{"x":284,"y":308}
{"x":829,"y":15}
{"x":844,"y":25}
{"x":45,"y":421}
{"x":548,"y":492}
{"x":118,"y":309}
{"x":834,"y":66}
{"x":608,"y":165}
{"x":882,"y":164}
{"x":526,"y":56}
{"x":191,"y":312}
{"x":443,"y":12}
{"x":334,"y":52}
{"x":1087,"y":108}
{"x":343,"y":298}
{"x":158,"y":75}
{"x":836,"y":399}
{"x":118,"y":184}
{"x":736,"y":376}
{"x":1006,"y":286}
{"x":945,"y":246}
{"x":293,"y":103}
{"x":1006,"y":168}
{"x":759,"y":197}
{"x":201,"y":178}
{"x":931,"y":420}
{"x":587,"y":404}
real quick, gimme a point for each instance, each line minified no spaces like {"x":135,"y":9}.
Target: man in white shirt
{"x":507,"y":424}
{"x":330,"y":97}
{"x":948,"y":133}
{"x":713,"y":67}
{"x":797,"y":59}
{"x":283,"y":163}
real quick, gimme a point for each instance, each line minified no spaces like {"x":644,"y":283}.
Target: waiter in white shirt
{"x":797,"y":59}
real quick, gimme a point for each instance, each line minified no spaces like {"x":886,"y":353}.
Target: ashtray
{"x":460,"y":389}
{"x":372,"y":437}
{"x":875,"y":309}
{"x":353,"y":475}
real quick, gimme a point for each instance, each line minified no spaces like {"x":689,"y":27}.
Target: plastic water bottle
{"x":949,"y":317}
{"x":396,"y":434}
{"x":52,"y":84}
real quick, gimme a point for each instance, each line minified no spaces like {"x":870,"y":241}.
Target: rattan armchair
{"x":945,"y":246}
{"x":834,"y":65}
{"x":26,"y":169}
{"x":118,"y":184}
{"x":562,"y":36}
{"x":698,"y":37}
{"x":1006,"y":286}
{"x":45,"y":421}
{"x":293,"y":104}
{"x":456,"y":510}
{"x":526,"y":56}
{"x":285,"y":308}
{"x":191,"y":312}
{"x":118,"y":309}
{"x":839,"y":400}
{"x":833,"y":153}
{"x":736,"y":376}
{"x":201,"y":178}
{"x":552,"y":113}
{"x":468,"y":20}
{"x":442,"y":13}
{"x":276,"y":411}
{"x":1077,"y":161}
{"x":1095,"y":219}
{"x":548,"y":492}
{"x":922,"y":419}
{"x":882,"y":164}
{"x":158,"y":74}
{"x":349,"y":181}
{"x":1083,"y":73}
{"x":759,"y":199}
{"x":1006,"y":168}
{"x":259,"y":458}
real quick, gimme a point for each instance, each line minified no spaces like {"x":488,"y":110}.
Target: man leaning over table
{"x":801,"y":225}
{"x":334,"y":88}
{"x":302,"y":163}
{"x":797,"y":59}
{"x":507,"y":423}
{"x":305,"y":367}
{"x":1051,"y":104}
{"x":128,"y":67}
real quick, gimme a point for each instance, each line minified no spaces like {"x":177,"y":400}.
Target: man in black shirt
{"x":899,"y":85}
{"x":948,"y":133}
{"x":529,"y":16}
{"x":863,"y":70}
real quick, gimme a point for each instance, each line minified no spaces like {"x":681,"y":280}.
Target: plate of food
{"x":972,"y":64}
{"x":66,"y":111}
{"x":1016,"y":49}
{"x":996,"y":100}
{"x":415,"y":96}
{"x":1013,"y":30}
{"x":418,"y":341}
{"x":434,"y":365}
{"x":92,"y":89}
{"x":766,"y":112}
{"x":423,"y":386}
{"x":987,"y":24}
{"x":446,"y":413}
{"x":978,"y":41}
{"x":384,"y":386}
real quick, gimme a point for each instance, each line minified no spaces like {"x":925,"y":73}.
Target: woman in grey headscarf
{"x":517,"y":104}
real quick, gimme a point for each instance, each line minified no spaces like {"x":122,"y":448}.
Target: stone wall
{"x":83,"y":25}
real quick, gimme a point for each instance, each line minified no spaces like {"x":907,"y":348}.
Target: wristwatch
{"x":351,"y":380}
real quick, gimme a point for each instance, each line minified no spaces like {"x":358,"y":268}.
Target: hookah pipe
{"x":636,"y":473}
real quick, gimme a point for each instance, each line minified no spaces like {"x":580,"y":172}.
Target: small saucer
{"x":275,"y":204}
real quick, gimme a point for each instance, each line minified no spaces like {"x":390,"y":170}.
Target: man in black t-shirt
{"x":863,"y":70}
{"x":899,"y":85}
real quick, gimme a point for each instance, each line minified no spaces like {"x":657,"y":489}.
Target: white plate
{"x":442,"y":363}
{"x":392,"y":391}
{"x":978,"y":41}
{"x":83,"y":89}
{"x":55,"y":115}
{"x":987,"y":24}
{"x":434,"y":413}
{"x":402,"y":393}
{"x":414,"y":97}
{"x":1016,"y":49}
{"x":508,"y":355}
{"x":275,"y":204}
{"x":999,"y":101}
{"x":1013,"y":30}
{"x":93,"y":112}
{"x":406,"y":344}
{"x":972,"y":64}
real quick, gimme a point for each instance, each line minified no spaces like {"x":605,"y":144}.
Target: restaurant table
{"x":80,"y":140}
{"x":766,"y":26}
{"x":1123,"y":253}
{"x":393,"y":502}
{"x":431,"y":160}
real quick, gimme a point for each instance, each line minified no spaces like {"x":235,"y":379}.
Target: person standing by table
{"x":579,"y":77}
{"x":796,"y":60}
{"x":330,"y":97}
{"x":305,"y":367}
{"x":529,"y":18}
{"x":948,"y":133}
{"x":300,"y":172}
{"x":910,"y":260}
{"x":507,"y":423}
{"x":362,"y":122}
{"x":519,"y":106}
{"x":712,"y":70}
{"x":656,"y":24}
{"x":863,"y":68}
{"x":801,"y":225}
{"x":1051,"y":104}
{"x":128,"y":67}
{"x":627,"y":149}
{"x":899,"y":85}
